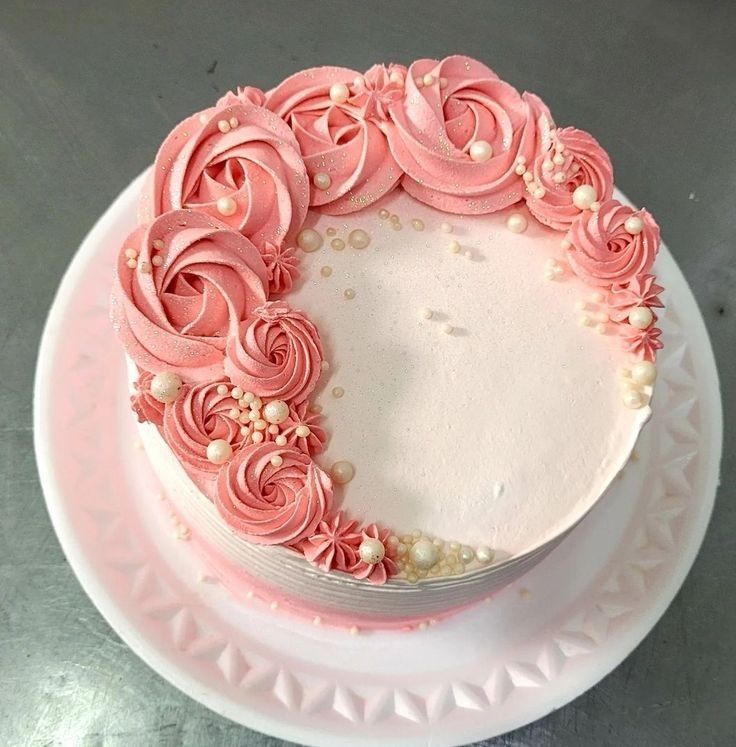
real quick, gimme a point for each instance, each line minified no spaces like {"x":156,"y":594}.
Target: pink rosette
{"x":374,"y":92}
{"x":178,"y":314}
{"x":200,"y":414}
{"x":643,"y":290}
{"x":255,"y":164}
{"x":334,"y":545}
{"x":242,"y":95}
{"x":270,"y":504}
{"x":300,"y":414}
{"x":377,"y":573}
{"x":437,"y":123}
{"x":603,"y":253}
{"x":144,"y":404}
{"x":277,"y":355}
{"x":282,"y":266}
{"x":336,"y":139}
{"x":572,"y":159}
{"x":644,"y":343}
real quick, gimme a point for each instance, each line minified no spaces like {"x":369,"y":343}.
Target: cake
{"x":389,"y":335}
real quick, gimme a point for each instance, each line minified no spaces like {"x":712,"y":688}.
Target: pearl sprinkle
{"x":165,"y":387}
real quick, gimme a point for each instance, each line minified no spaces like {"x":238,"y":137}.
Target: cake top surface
{"x":335,"y":366}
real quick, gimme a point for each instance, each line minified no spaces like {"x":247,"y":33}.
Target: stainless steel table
{"x":87,"y":92}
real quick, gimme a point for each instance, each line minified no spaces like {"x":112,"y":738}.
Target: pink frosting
{"x":377,"y":573}
{"x":337,"y":139}
{"x":644,"y":343}
{"x":277,"y":355}
{"x":144,"y":404}
{"x":197,"y":416}
{"x":282,"y":265}
{"x":257,"y":163}
{"x":271,"y":504}
{"x":178,"y":315}
{"x":583,"y":162}
{"x":603,"y":252}
{"x":334,"y":545}
{"x":300,"y":414}
{"x":641,"y":291}
{"x":374,"y":92}
{"x":436,"y":126}
{"x":242,"y":95}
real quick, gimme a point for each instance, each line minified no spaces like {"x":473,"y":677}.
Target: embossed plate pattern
{"x":531,"y":649}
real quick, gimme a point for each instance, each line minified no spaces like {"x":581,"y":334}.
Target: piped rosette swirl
{"x":273,"y":495}
{"x":199,"y":416}
{"x":238,"y":163}
{"x":342,"y":139}
{"x":459,"y":133}
{"x":182,"y":285}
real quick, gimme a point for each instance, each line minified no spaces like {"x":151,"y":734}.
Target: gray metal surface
{"x":87,"y":92}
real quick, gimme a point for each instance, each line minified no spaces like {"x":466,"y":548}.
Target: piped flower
{"x":641,"y":291}
{"x":642,"y":342}
{"x":282,"y":265}
{"x":377,"y":573}
{"x":334,"y":545}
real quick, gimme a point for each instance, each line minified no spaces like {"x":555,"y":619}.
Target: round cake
{"x":390,"y":336}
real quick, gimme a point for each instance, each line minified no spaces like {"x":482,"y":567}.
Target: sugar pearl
{"x":157,"y":260}
{"x":339,"y":93}
{"x":322,"y":181}
{"x":260,"y":425}
{"x":455,"y":247}
{"x":277,"y":460}
{"x":547,"y":166}
{"x":634,"y":225}
{"x":223,"y":126}
{"x":249,"y":397}
{"x":303,"y":431}
{"x":424,"y":554}
{"x":226,"y":206}
{"x":633,"y":399}
{"x":158,"y":244}
{"x":528,"y":177}
{"x":417,"y":224}
{"x":337,"y":244}
{"x":342,"y":472}
{"x":484,"y":554}
{"x":517,"y":223}
{"x":426,"y":313}
{"x":372,"y":551}
{"x":445,"y":228}
{"x":254,"y":415}
{"x":481,"y":151}
{"x":584,"y":196}
{"x":309,"y":240}
{"x":236,"y":392}
{"x":233,"y":122}
{"x":359,"y":239}
{"x":520,"y":169}
{"x":539,"y":193}
{"x":558,"y":178}
{"x":276,"y":411}
{"x":222,"y":389}
{"x":428,"y":79}
{"x":219,"y":451}
{"x":349,"y":294}
{"x":397,"y":78}
{"x":641,"y":317}
{"x":383,"y":214}
{"x":338,"y":392}
{"x":280,"y":440}
{"x":257,"y":437}
{"x":132,"y":263}
{"x":644,"y":372}
{"x":131,"y":253}
{"x":467,"y":554}
{"x":331,"y":231}
{"x":447,"y":329}
{"x":165,"y":387}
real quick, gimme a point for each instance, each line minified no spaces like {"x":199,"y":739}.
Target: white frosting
{"x":501,"y":433}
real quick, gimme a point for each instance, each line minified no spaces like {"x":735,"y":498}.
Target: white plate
{"x":533,"y":648}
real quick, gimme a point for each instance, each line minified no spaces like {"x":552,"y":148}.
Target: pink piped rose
{"x":604,"y":253}
{"x":448,"y":106}
{"x":273,"y":495}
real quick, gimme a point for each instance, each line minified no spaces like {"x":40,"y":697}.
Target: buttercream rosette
{"x":278,"y":354}
{"x":300,"y":414}
{"x":282,"y":266}
{"x":603,"y":253}
{"x":376,"y":573}
{"x":572,"y":158}
{"x":242,"y":95}
{"x":343,"y":140}
{"x":334,"y":544}
{"x":273,"y":504}
{"x":177,"y":315}
{"x":436,"y":124}
{"x":147,"y":408}
{"x":643,"y":343}
{"x":256,"y":163}
{"x":643,"y":290}
{"x":198,"y":416}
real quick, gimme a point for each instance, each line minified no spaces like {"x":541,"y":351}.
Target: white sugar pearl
{"x":428,"y":79}
{"x":634,"y":225}
{"x":397,"y":78}
{"x":339,"y":93}
{"x":322,"y":180}
{"x":233,"y":122}
{"x":484,"y":554}
{"x":359,"y":239}
{"x":424,"y":554}
{"x":226,"y":206}
{"x":131,"y":253}
{"x":236,"y":392}
{"x":309,"y":240}
{"x":303,"y":431}
{"x":517,"y":223}
{"x":257,"y":437}
{"x":280,"y":440}
{"x":633,"y":399}
{"x":547,"y":166}
{"x":260,"y":425}
{"x":540,"y":192}
{"x":640,"y":317}
{"x":481,"y":151}
{"x":165,"y":387}
{"x":528,"y":177}
{"x":467,"y":554}
{"x":158,"y":244}
{"x":455,"y":247}
{"x":222,"y":389}
{"x":644,"y":372}
{"x":372,"y":551}
{"x":277,"y":460}
{"x":426,"y":313}
{"x":584,"y":196}
{"x":276,"y":411}
{"x":273,"y":429}
{"x":157,"y":260}
{"x":447,"y":329}
{"x":219,"y":451}
{"x":558,"y":159}
{"x":248,"y":397}
{"x":445,"y":228}
{"x":558,"y":178}
{"x":132,"y":263}
{"x":520,"y":170}
{"x":342,"y":472}
{"x":223,"y":126}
